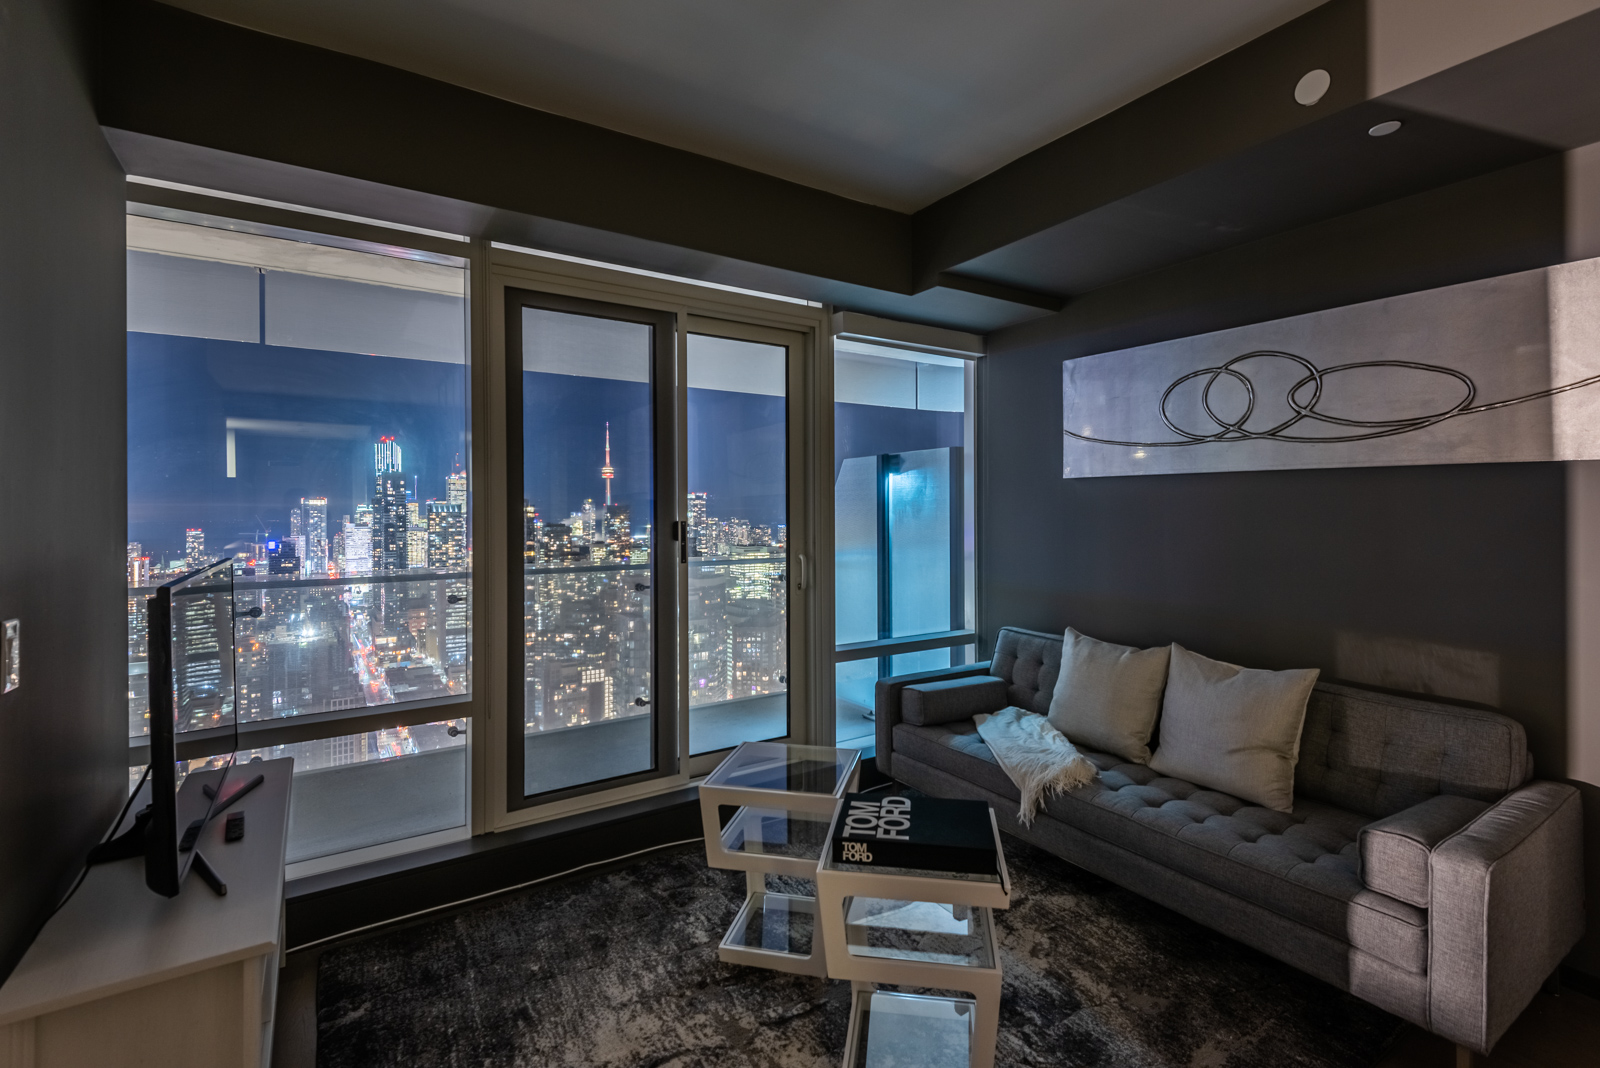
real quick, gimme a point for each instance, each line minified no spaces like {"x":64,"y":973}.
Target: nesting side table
{"x":923,"y":929}
{"x":784,"y":797}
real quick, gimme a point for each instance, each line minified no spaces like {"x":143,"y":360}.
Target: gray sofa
{"x":1422,"y":868}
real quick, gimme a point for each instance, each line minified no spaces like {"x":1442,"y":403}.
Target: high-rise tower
{"x":390,"y":523}
{"x":386,"y":455}
{"x":314,"y":534}
{"x":194,"y":547}
{"x":608,"y":472}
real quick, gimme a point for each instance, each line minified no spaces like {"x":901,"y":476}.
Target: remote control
{"x":234,"y":829}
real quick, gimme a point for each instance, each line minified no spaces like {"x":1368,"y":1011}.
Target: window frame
{"x":322,"y":725}
{"x":968,"y":348}
{"x":811,"y":538}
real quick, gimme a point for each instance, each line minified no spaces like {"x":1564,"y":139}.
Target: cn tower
{"x":608,"y":472}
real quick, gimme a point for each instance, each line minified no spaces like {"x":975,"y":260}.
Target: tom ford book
{"x":923,"y":833}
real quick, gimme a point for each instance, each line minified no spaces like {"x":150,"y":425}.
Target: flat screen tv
{"x":193,"y":730}
{"x":191,"y":654}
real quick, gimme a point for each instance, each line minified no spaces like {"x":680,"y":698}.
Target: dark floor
{"x":1556,"y":1031}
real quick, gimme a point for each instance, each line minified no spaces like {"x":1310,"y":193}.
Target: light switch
{"x":11,"y":655}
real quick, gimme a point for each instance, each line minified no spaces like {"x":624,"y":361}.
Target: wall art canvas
{"x":1500,"y":370}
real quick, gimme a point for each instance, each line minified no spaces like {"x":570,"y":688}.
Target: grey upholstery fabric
{"x":1394,"y":851}
{"x":925,"y":704}
{"x":886,"y":705}
{"x":1507,"y":906}
{"x":1288,"y":883}
{"x":1327,"y":957}
{"x":1379,"y":754}
{"x":1233,"y":728}
{"x":1108,"y":696}
{"x":1030,"y":662}
{"x":1300,"y":865}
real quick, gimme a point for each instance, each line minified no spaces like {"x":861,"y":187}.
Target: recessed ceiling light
{"x":1384,"y":129}
{"x":1313,"y":85}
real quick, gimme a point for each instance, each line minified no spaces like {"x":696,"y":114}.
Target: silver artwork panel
{"x":1500,"y":370}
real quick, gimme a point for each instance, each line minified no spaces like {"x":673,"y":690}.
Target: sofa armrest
{"x":1395,"y":852}
{"x":1506,"y":906}
{"x":927,"y":704}
{"x":886,"y":704}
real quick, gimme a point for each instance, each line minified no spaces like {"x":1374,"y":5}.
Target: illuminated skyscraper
{"x":390,"y":524}
{"x":194,"y":547}
{"x":357,"y":547}
{"x":138,"y":565}
{"x":455,"y":489}
{"x":386,"y":456}
{"x":697,"y":524}
{"x":447,"y":535}
{"x":532,"y":535}
{"x":314,"y":534}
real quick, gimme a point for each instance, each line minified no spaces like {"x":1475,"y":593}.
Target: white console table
{"x":124,"y":977}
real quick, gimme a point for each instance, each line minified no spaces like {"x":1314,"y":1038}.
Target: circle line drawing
{"x":1304,"y":408}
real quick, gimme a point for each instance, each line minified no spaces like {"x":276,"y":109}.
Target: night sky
{"x":181,"y":391}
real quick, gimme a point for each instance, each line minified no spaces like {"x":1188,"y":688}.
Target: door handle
{"x":801,"y":578}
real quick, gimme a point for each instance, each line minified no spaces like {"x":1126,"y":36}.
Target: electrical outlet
{"x":11,"y":656}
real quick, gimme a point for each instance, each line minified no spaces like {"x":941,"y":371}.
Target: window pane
{"x":738,"y":542}
{"x":854,"y":682}
{"x":588,"y":464}
{"x":299,"y":403}
{"x":900,"y":513}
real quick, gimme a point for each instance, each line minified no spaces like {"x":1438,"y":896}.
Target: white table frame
{"x":835,"y":885}
{"x":757,"y":866}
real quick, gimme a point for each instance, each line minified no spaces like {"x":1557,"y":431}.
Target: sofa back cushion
{"x":1364,"y":751}
{"x":1030,"y":662}
{"x":1108,"y":696}
{"x":1377,"y":754}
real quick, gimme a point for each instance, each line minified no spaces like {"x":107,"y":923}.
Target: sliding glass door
{"x":737,"y":416}
{"x":591,"y":402}
{"x":653,"y":617}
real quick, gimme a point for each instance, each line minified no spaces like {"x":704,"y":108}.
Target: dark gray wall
{"x":1275,"y":569}
{"x":63,"y":500}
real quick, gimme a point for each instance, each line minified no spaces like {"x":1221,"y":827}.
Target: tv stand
{"x":118,"y":968}
{"x":208,"y":874}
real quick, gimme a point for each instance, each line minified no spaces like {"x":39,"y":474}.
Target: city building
{"x":194,"y":548}
{"x":314,"y":555}
{"x":446,"y":536}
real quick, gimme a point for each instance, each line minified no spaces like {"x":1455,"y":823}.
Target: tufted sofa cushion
{"x":1379,"y":754}
{"x":1366,"y":752}
{"x":1030,"y":662}
{"x":1300,"y":864}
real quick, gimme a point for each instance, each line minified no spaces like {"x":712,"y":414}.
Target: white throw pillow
{"x":1108,"y":696}
{"x":1233,"y":729}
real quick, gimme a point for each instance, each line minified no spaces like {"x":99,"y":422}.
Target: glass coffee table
{"x":928,"y":930}
{"x":782,"y":799}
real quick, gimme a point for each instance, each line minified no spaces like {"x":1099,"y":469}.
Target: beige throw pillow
{"x":1233,"y":729}
{"x":1108,"y":696}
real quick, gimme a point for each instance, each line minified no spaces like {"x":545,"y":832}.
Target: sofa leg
{"x":1463,"y":1056}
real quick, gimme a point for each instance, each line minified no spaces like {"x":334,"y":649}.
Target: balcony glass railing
{"x":305,"y":646}
{"x":588,"y":664}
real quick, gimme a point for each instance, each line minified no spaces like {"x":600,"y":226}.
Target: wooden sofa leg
{"x":1463,"y":1056}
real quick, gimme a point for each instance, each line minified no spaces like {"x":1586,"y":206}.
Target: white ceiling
{"x":894,"y":102}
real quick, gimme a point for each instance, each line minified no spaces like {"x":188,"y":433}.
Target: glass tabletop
{"x":784,"y":768}
{"x":776,"y":923}
{"x":920,"y":931}
{"x":776,"y":832}
{"x":896,"y":1030}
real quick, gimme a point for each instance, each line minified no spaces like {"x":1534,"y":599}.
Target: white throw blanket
{"x":1036,"y":756}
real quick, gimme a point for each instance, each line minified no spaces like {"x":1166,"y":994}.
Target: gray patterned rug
{"x":620,"y":970}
